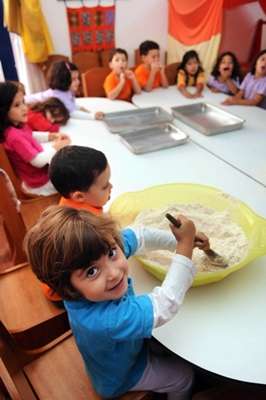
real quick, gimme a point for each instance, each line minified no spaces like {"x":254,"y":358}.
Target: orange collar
{"x":78,"y":205}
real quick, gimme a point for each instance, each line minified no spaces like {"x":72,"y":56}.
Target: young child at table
{"x":82,"y":176}
{"x":121,"y":83}
{"x":48,"y":115}
{"x":253,"y":88}
{"x":190,"y":73}
{"x":150,"y":74}
{"x":83,"y":258}
{"x":226,"y":75}
{"x":64,"y":84}
{"x":29,"y":159}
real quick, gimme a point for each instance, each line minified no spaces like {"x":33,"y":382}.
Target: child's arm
{"x":44,"y":157}
{"x":155,"y":67}
{"x":232,"y":87}
{"x":164,"y":80}
{"x":238,"y":99}
{"x":182,"y":89}
{"x":130,"y":75}
{"x":114,"y":93}
{"x":168,"y":298}
{"x":199,"y":89}
{"x":84,"y":114}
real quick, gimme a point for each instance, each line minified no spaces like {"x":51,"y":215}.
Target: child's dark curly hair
{"x":236,"y":72}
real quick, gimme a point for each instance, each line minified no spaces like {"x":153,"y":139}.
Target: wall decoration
{"x":91,"y":28}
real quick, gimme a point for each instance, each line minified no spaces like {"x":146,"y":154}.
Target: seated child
{"x":48,"y":116}
{"x":253,"y":88}
{"x":83,"y":258}
{"x":225,"y":77}
{"x":82,"y":176}
{"x":64,"y":85}
{"x":29,"y":159}
{"x":121,"y":83}
{"x":150,"y":74}
{"x":190,"y":73}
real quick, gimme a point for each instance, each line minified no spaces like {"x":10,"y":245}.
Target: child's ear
{"x":110,"y":64}
{"x":77,"y":196}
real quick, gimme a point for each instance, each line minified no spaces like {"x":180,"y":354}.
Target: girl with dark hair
{"x":190,"y":73}
{"x":64,"y":84}
{"x":225,"y":77}
{"x":48,"y":116}
{"x":253,"y":88}
{"x":29,"y":159}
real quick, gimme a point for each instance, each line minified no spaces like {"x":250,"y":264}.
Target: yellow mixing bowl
{"x":126,"y":207}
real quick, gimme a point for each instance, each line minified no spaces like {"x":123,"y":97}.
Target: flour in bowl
{"x":226,"y":237}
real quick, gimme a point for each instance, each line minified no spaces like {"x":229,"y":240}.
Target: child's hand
{"x":99,"y":115}
{"x":122,"y":77}
{"x":229,"y":101}
{"x":201,"y":241}
{"x":214,"y":90}
{"x":186,"y":231}
{"x":129,"y":74}
{"x":57,"y":135}
{"x":60,"y":143}
{"x":196,"y":95}
{"x":156,"y":66}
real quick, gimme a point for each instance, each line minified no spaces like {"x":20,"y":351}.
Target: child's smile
{"x":105,"y":279}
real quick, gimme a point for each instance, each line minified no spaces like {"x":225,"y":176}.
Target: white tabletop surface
{"x":244,"y":149}
{"x":221,"y":327}
{"x":103,"y":104}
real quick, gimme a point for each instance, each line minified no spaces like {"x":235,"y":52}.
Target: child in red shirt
{"x":48,"y":115}
{"x":121,"y":83}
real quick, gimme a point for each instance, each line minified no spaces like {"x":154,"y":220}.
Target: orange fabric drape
{"x":194,"y":21}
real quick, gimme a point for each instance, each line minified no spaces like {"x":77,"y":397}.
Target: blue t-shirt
{"x":110,"y":334}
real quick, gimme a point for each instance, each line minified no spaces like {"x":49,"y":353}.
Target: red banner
{"x":91,"y":28}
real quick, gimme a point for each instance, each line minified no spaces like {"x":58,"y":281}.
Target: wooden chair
{"x":86,"y":60}
{"x":16,"y":223}
{"x":171,"y":72}
{"x":105,"y":57}
{"x":57,"y":373}
{"x":92,"y":81}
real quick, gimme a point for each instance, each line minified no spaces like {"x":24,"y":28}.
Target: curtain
{"x":25,"y":18}
{"x":197,"y":25}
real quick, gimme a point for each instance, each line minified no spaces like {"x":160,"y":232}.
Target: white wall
{"x":136,"y":20}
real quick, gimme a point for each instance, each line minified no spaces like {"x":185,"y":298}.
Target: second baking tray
{"x":153,"y":138}
{"x":127,"y":121}
{"x":208,"y":119}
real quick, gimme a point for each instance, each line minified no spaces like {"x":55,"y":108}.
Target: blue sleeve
{"x":130,"y":242}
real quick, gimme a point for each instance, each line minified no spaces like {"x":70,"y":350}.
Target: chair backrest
{"x":92,"y":81}
{"x":86,"y":60}
{"x":6,"y":165}
{"x":13,"y":224}
{"x":171,"y":72}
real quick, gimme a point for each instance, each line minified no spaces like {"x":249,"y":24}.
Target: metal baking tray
{"x":153,"y":138}
{"x":128,"y":121}
{"x":207,"y":119}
